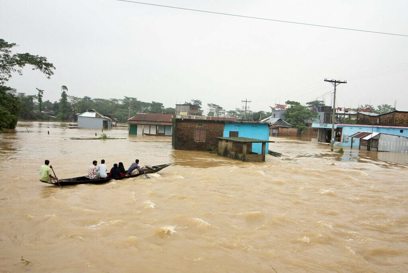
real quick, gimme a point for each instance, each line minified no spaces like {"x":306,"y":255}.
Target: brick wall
{"x":394,"y":119}
{"x":185,"y":130}
{"x":366,"y":119}
{"x":288,"y":132}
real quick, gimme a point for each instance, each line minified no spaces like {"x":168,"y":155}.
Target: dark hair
{"x":94,"y":162}
{"x":137,"y":161}
{"x":120,"y":163}
{"x":47,"y":162}
{"x":115,"y":165}
{"x":102,"y":161}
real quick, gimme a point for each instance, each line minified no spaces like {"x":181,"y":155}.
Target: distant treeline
{"x":31,"y":107}
{"x":67,"y":108}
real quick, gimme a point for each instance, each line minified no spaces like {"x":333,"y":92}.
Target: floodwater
{"x":307,"y":211}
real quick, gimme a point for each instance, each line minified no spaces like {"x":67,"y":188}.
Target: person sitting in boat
{"x":92,"y":173}
{"x":102,"y":171}
{"x":122,"y":170}
{"x":115,"y":172}
{"x":135,"y":168}
{"x":45,"y":173}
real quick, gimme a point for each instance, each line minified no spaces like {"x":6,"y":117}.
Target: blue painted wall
{"x":251,"y":130}
{"x":349,"y":130}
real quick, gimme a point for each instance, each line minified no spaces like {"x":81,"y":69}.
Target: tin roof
{"x":365,"y":135}
{"x":360,"y":134}
{"x":152,"y":117}
{"x":276,"y":122}
{"x":93,"y":114}
{"x":370,"y":136}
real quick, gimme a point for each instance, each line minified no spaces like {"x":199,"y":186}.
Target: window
{"x":401,"y":131}
{"x":199,"y":135}
{"x":233,"y":134}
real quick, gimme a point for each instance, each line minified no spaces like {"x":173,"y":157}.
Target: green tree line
{"x":68,"y":107}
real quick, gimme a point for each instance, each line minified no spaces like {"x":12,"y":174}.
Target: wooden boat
{"x":148,"y":169}
{"x":86,"y":180}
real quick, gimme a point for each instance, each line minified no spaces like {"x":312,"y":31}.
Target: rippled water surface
{"x":307,"y":211}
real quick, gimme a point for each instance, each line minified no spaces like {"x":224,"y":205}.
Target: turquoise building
{"x":249,"y":130}
{"x":344,"y":131}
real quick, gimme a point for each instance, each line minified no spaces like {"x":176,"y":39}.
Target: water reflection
{"x":364,"y":156}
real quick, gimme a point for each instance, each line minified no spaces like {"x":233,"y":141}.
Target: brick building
{"x":197,"y":134}
{"x":203,"y":134}
{"x":394,"y":118}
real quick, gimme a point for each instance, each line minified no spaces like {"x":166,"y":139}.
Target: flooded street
{"x":307,"y":211}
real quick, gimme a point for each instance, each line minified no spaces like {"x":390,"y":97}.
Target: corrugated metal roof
{"x":152,"y":117}
{"x":360,"y":134}
{"x":88,"y":114}
{"x":93,"y":114}
{"x":370,"y":136}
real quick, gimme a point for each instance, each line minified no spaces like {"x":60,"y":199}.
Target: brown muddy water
{"x":307,"y":211}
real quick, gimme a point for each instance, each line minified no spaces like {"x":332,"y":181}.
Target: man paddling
{"x":45,"y":173}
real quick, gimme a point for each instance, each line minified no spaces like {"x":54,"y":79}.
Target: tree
{"x":196,"y":102}
{"x":366,"y":108}
{"x":64,"y":110}
{"x":215,"y":110}
{"x":298,"y":115}
{"x":260,"y":115}
{"x":27,"y":107}
{"x":315,"y":105}
{"x":9,"y":64}
{"x":384,"y":108}
{"x":9,"y":108}
{"x":156,"y":107}
{"x":39,"y":98}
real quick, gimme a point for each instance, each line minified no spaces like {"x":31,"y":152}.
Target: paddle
{"x":55,"y":175}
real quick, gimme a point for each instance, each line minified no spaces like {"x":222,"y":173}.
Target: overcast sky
{"x":111,"y":49}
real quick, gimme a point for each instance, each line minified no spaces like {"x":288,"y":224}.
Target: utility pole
{"x":246,"y":101}
{"x":335,"y":83}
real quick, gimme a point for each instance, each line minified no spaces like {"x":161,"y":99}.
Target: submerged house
{"x":276,"y":125}
{"x":206,"y":134}
{"x":152,"y":124}
{"x":392,"y":124}
{"x":380,"y":142}
{"x":94,"y":120}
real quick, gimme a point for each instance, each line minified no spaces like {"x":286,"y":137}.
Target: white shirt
{"x":101,"y":169}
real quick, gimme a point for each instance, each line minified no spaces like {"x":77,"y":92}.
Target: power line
{"x":265,"y":19}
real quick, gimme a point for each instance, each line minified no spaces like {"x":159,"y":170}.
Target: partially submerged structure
{"x":94,"y":120}
{"x":379,"y":142}
{"x":277,"y":125}
{"x":152,"y":124}
{"x":241,"y":148}
{"x":392,"y":126}
{"x":204,"y":134}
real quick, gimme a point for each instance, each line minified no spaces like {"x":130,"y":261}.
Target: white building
{"x":93,"y":120}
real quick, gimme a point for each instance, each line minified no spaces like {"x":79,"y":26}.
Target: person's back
{"x":92,"y":173}
{"x":114,"y":172}
{"x":122,"y":170}
{"x":135,"y":166}
{"x":102,"y":170}
{"x":45,"y":172}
